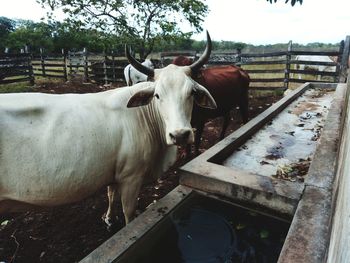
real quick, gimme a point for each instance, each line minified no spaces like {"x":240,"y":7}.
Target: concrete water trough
{"x":281,"y":164}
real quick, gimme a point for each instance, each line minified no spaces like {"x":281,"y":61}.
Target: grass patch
{"x":16,"y":87}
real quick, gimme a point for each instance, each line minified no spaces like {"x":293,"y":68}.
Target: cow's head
{"x":182,"y":61}
{"x":173,"y":92}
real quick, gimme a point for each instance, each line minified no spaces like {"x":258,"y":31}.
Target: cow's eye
{"x":156,"y":95}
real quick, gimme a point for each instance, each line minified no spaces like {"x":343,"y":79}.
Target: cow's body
{"x":229,"y":87}
{"x":58,"y":149}
{"x":315,"y":67}
{"x":133,"y":76}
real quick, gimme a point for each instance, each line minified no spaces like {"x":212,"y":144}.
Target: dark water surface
{"x":205,"y":230}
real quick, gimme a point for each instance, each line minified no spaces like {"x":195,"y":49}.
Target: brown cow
{"x":229,"y":87}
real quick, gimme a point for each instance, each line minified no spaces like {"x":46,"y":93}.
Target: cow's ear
{"x":141,"y":97}
{"x":203,"y":98}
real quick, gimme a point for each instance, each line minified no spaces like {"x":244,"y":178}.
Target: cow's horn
{"x":204,"y":57}
{"x":143,"y":69}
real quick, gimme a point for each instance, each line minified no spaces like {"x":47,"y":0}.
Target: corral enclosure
{"x":268,"y":71}
{"x":279,"y":70}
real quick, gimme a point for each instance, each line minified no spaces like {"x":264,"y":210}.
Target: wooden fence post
{"x":113,"y":67}
{"x":344,"y":61}
{"x":287,"y":69}
{"x":31,"y":72}
{"x":70,"y":63}
{"x":86,"y":65}
{"x":105,"y":69}
{"x":239,"y":59}
{"x":42,"y":61}
{"x":339,"y":58}
{"x":65,"y":75}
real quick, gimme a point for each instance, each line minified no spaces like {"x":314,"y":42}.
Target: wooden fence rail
{"x":16,"y":68}
{"x":274,"y":70}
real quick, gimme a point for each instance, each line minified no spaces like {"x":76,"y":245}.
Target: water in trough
{"x":205,"y":230}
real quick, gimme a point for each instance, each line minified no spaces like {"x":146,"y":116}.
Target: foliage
{"x":54,"y":36}
{"x":32,"y":35}
{"x":293,"y":2}
{"x":70,"y":37}
{"x":142,"y":23}
{"x":6,"y":27}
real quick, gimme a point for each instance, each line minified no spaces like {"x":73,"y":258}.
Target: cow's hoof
{"x":111,"y":222}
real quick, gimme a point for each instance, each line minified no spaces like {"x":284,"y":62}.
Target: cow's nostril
{"x":181,"y":136}
{"x":172,"y":137}
{"x":186,"y":134}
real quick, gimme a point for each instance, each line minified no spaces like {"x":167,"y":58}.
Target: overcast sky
{"x":249,"y":21}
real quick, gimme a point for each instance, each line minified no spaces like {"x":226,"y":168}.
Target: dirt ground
{"x":69,"y":233}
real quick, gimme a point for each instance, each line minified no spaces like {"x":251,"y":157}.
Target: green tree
{"x":73,"y":37}
{"x":32,"y":35}
{"x":6,"y":27}
{"x":142,"y":23}
{"x":293,"y":2}
{"x":239,"y":46}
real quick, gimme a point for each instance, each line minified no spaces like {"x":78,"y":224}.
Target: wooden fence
{"x":16,"y":68}
{"x":53,"y":66}
{"x":276,"y":70}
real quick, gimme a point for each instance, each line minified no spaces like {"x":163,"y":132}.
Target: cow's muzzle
{"x":181,"y":136}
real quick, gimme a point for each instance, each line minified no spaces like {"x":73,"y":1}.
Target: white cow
{"x":58,"y":149}
{"x":315,"y":67}
{"x":133,"y":76}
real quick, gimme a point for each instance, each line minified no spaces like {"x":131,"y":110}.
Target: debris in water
{"x":264,"y":162}
{"x":293,"y":172}
{"x":291,"y":133}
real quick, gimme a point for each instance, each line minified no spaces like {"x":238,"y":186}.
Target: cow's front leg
{"x":110,"y":217}
{"x":129,"y":192}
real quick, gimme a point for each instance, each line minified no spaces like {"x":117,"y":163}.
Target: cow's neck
{"x":154,"y":123}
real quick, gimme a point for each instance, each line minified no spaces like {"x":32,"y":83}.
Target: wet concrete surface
{"x":284,"y":147}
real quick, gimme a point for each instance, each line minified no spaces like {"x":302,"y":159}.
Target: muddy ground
{"x":69,"y":233}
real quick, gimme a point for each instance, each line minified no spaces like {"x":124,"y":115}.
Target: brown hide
{"x":182,"y":61}
{"x":229,"y":87}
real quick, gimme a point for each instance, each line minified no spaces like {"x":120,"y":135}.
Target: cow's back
{"x":228,"y":85}
{"x":54,"y":147}
{"x":57,"y":149}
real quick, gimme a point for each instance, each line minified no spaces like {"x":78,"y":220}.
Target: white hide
{"x":133,"y":76}
{"x":57,"y":149}
{"x":315,"y":67}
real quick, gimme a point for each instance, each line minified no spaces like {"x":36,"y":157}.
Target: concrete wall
{"x":339,"y":249}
